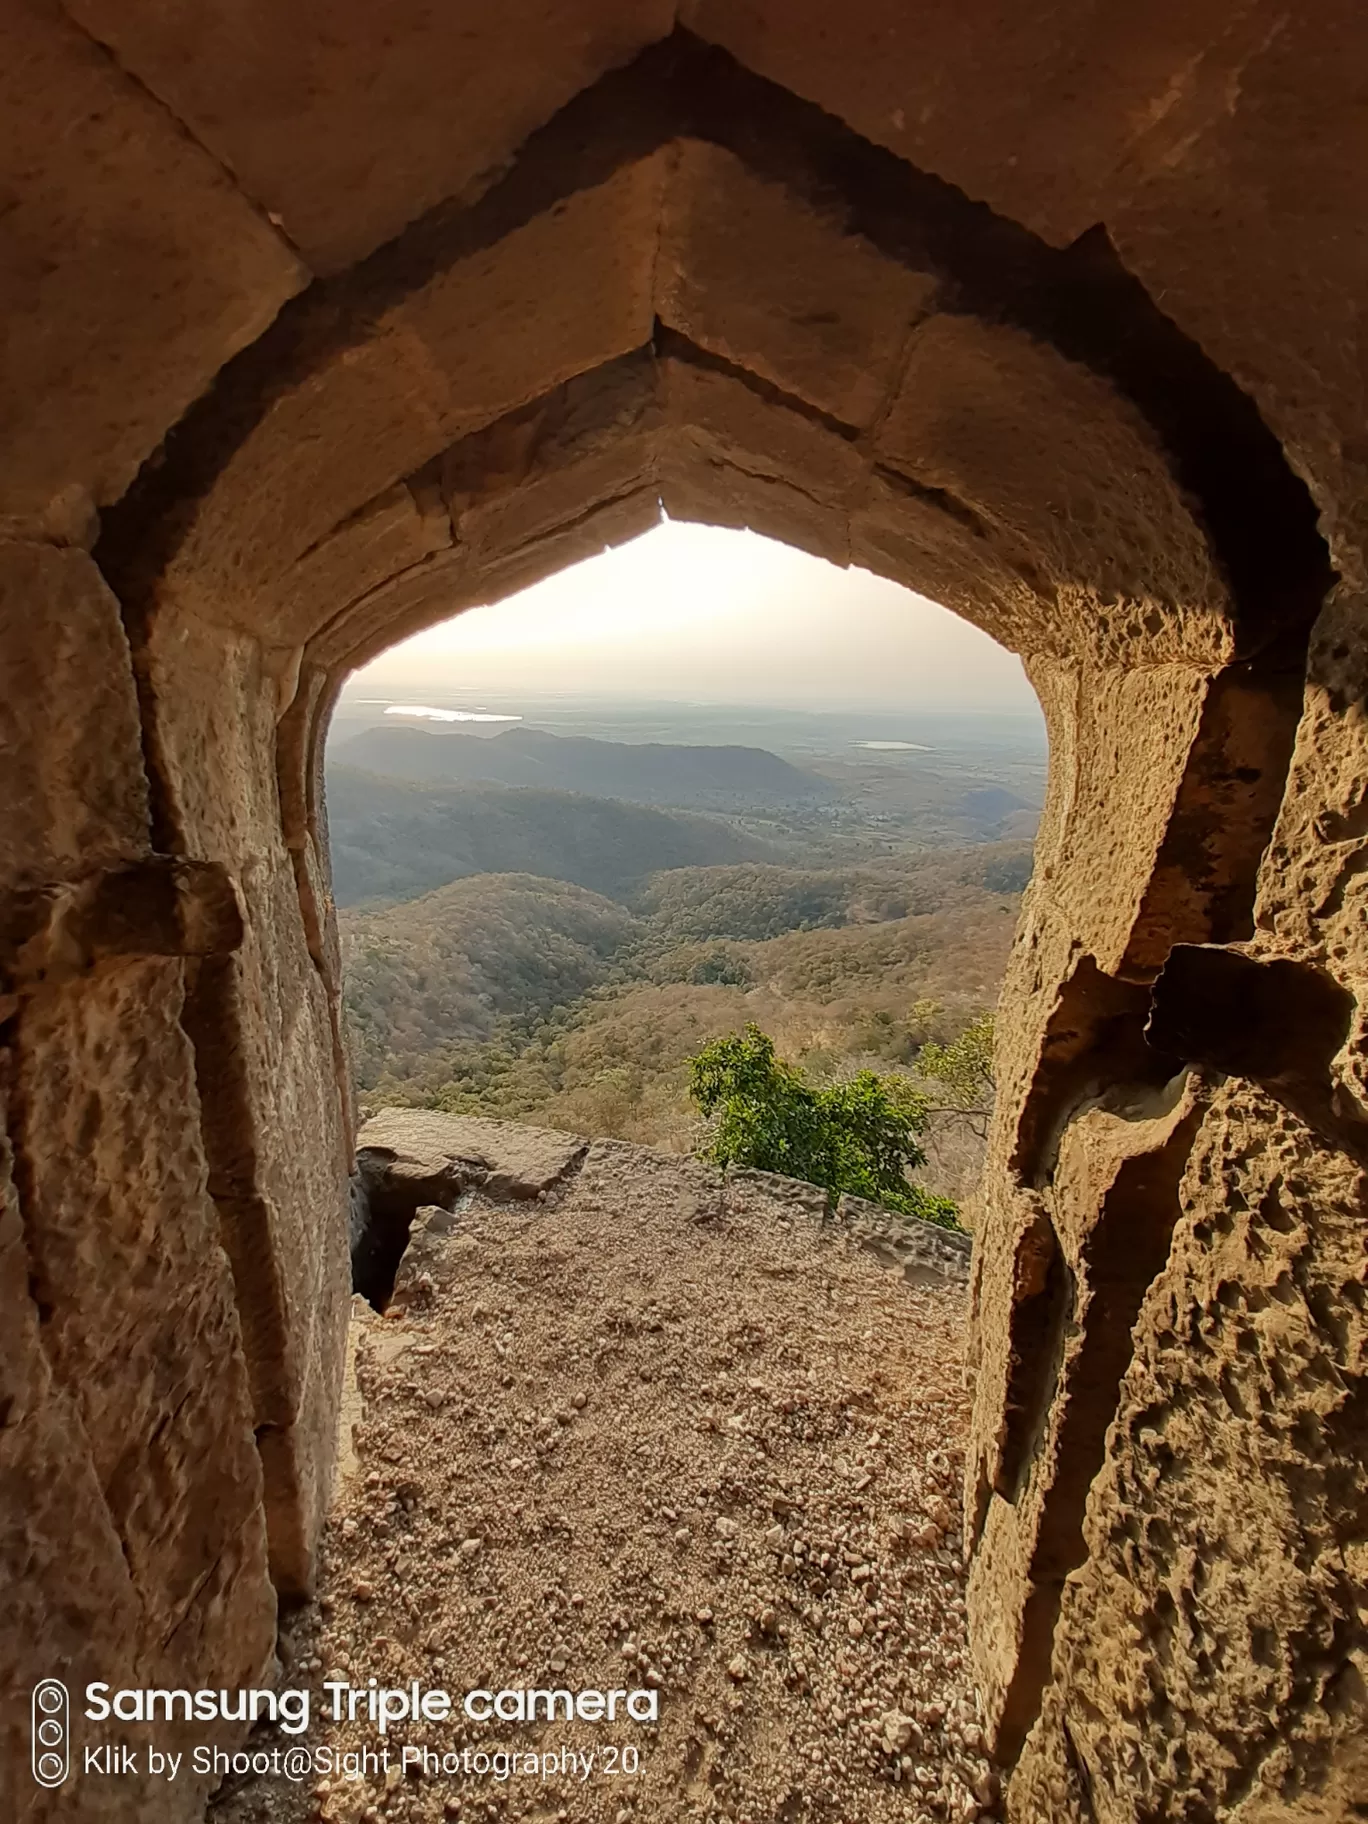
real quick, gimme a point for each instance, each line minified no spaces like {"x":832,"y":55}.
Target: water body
{"x":896,"y":747}
{"x":425,"y":712}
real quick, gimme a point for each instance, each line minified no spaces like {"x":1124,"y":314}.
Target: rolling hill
{"x":649,"y":773}
{"x":532,"y":999}
{"x":394,"y":840}
{"x":453,"y":964}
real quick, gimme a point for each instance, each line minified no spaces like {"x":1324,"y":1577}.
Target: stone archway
{"x":686,"y":283}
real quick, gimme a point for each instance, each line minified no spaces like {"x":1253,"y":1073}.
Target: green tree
{"x":959,"y":1076}
{"x":859,"y":1136}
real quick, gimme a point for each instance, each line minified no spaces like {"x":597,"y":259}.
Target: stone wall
{"x":317,"y":333}
{"x":132,"y":1542}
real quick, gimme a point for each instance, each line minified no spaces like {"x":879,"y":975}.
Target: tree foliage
{"x":533,"y":999}
{"x":859,"y":1136}
{"x":961,"y":1073}
{"x":457,"y":963}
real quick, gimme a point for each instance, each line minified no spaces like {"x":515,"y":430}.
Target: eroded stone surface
{"x":1220,"y":1665}
{"x":133,"y":1539}
{"x":74,"y":788}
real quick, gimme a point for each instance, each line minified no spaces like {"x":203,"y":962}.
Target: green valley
{"x":518,"y":949}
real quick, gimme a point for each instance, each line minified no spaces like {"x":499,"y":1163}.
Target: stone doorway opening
{"x":700,"y":782}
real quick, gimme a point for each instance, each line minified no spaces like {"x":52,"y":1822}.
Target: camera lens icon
{"x":51,"y":1733}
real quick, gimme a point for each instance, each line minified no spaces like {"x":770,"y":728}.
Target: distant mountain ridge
{"x":393,"y":839}
{"x":650,"y":773}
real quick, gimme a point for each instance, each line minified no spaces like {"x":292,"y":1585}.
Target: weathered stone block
{"x":741,"y":425}
{"x":1118,"y":737}
{"x":348,"y":130}
{"x":697,"y":484}
{"x":384,"y":537}
{"x":1207,"y":1658}
{"x":592,"y":417}
{"x":68,"y":1608}
{"x":132,"y":1541}
{"x":557,"y":296}
{"x":267,"y":1067}
{"x":123,"y":1241}
{"x":1070,"y":478}
{"x":1080,"y":1275}
{"x":426,"y":592}
{"x":497,"y":532}
{"x":266,"y":1064}
{"x":71,"y":765}
{"x":755,"y":273}
{"x":330,"y":440}
{"x":134,"y":268}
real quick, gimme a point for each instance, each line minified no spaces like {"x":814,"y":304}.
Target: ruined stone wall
{"x":314,"y":337}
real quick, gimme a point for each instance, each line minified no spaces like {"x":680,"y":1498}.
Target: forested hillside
{"x":457,"y":963}
{"x":696,"y":777}
{"x":535,"y":999}
{"x":761,"y":902}
{"x":395,"y":840}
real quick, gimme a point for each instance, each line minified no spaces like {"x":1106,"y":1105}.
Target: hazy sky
{"x":693,"y":612}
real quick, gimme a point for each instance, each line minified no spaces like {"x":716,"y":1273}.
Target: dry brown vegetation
{"x":532,"y":999}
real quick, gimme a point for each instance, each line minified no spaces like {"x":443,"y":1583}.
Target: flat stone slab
{"x":521,"y":1162}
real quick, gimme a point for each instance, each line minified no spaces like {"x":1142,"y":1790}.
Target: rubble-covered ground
{"x":649,"y":1432}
